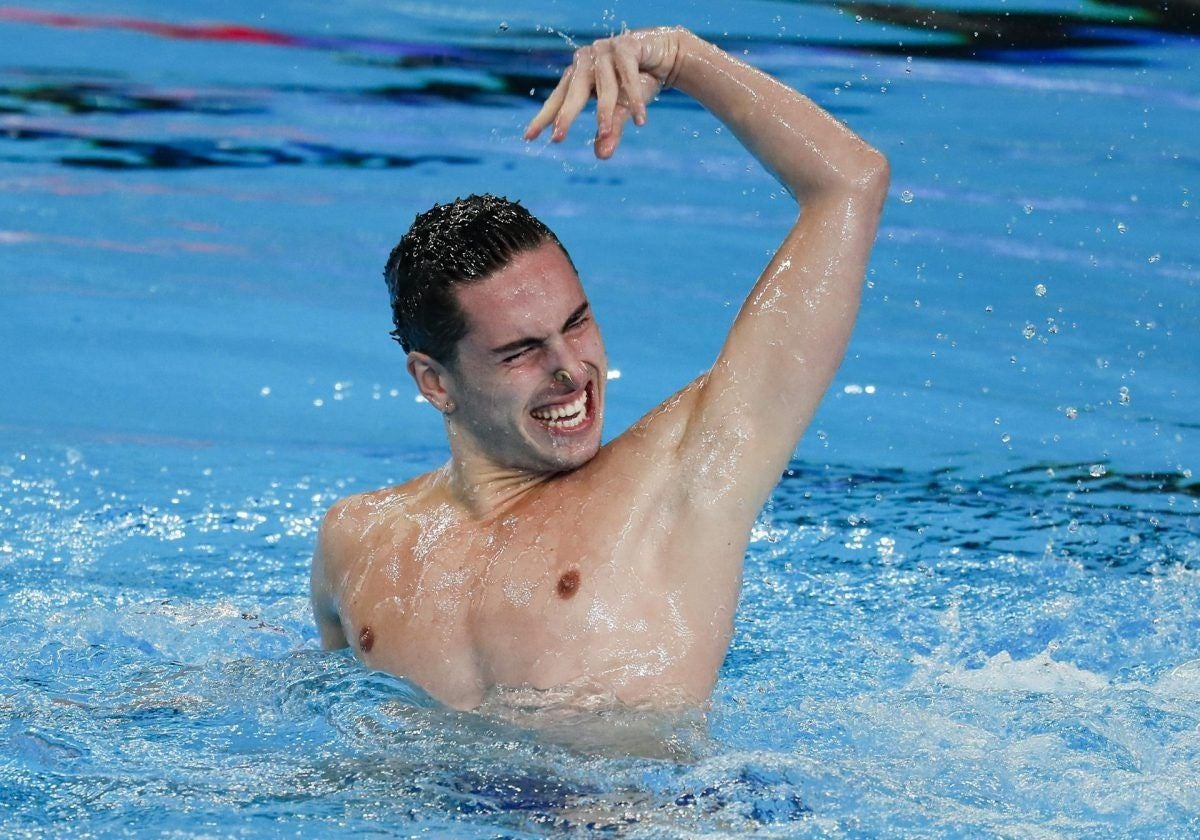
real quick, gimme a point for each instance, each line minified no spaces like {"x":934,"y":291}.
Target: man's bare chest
{"x":434,"y":567}
{"x":539,"y":596}
{"x":521,"y":601}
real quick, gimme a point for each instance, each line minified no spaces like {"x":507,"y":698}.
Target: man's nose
{"x":567,"y":366}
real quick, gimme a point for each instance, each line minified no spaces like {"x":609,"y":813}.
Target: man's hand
{"x":624,"y":73}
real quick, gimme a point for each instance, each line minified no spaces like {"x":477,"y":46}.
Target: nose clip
{"x":564,"y":376}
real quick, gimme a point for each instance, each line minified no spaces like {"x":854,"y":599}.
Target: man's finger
{"x":578,"y":92}
{"x":607,"y":144}
{"x":550,"y":106}
{"x":607,"y":89}
{"x":625,"y":59}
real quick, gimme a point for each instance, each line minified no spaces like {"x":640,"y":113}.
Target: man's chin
{"x":576,"y":457}
{"x":564,"y":451}
{"x":566,"y":456}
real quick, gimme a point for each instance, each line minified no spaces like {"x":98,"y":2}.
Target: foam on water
{"x":884,"y":677}
{"x":1039,"y":674}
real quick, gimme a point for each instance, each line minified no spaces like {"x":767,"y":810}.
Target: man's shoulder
{"x":658,"y":433}
{"x":351,"y":519}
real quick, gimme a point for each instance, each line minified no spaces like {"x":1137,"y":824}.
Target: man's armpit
{"x":332,"y":635}
{"x":325,"y":613}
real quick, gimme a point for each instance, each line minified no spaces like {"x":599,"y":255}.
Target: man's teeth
{"x":557,"y":413}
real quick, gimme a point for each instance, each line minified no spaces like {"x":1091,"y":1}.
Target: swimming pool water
{"x":970,"y":608}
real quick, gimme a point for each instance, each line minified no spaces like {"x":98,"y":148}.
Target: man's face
{"x":528,"y":323}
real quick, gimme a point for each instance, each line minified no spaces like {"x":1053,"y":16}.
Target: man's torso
{"x":612,"y":575}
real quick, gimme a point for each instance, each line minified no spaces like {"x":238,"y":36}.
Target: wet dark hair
{"x":460,"y":242}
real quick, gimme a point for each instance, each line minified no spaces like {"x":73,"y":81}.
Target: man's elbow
{"x":865,"y":184}
{"x":873,"y":173}
{"x":863,"y":174}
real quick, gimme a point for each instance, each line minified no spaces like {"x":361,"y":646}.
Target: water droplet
{"x":906,"y":196}
{"x":1030,"y":331}
{"x":1096,"y":470}
{"x":1006,"y":438}
{"x":988,"y":308}
{"x":1039,"y":290}
{"x":1154,"y":258}
{"x":1124,"y":395}
{"x":1121,"y":228}
{"x":265,"y":390}
{"x":1071,"y":412}
{"x":1028,"y":208}
{"x":503,"y":26}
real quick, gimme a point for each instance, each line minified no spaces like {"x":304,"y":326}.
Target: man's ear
{"x":432,"y":380}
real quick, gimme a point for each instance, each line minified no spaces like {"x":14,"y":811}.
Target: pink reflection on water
{"x":149,"y":246}
{"x":91,"y":185}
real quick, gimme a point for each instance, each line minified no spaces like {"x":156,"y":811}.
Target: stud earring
{"x":448,"y":407}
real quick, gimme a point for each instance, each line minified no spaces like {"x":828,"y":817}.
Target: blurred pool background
{"x":971,"y":608}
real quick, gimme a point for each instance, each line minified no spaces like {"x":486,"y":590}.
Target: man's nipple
{"x":568,"y":584}
{"x":366,"y":640}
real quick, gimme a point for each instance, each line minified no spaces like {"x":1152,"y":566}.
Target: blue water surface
{"x":971,"y":608}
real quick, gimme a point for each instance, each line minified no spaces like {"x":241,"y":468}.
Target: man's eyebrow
{"x":577,"y":314}
{"x":531,"y":341}
{"x":519,"y":344}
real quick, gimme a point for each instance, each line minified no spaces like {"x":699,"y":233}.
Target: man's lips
{"x":570,"y":414}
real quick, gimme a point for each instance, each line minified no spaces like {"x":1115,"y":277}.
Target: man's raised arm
{"x":791,"y":333}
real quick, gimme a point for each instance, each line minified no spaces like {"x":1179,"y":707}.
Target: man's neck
{"x":482,"y":488}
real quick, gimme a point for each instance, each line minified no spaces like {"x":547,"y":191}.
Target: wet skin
{"x":551,"y":581}
{"x":536,"y":557}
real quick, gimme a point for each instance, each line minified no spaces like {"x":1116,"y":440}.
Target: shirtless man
{"x":537,"y":557}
